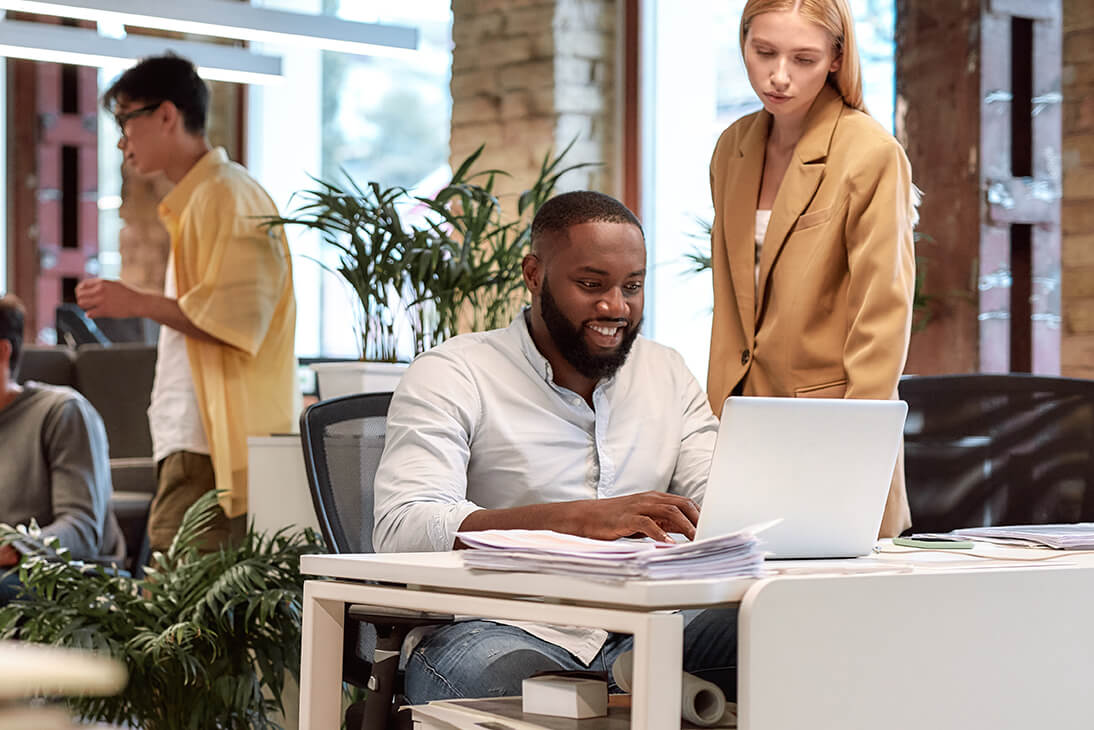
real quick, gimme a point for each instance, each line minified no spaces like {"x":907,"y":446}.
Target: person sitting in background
{"x":56,"y":463}
{"x":568,"y":421}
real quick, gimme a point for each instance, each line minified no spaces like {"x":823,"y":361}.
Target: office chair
{"x":998,"y":450}
{"x":343,"y":439}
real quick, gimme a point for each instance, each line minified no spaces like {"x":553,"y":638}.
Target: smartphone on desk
{"x":935,"y":542}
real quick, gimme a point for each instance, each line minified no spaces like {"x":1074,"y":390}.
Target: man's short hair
{"x":164,"y":78}
{"x":12,"y":315}
{"x":581,"y":206}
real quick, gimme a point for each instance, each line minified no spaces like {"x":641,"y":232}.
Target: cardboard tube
{"x":702,"y":703}
{"x":623,"y":670}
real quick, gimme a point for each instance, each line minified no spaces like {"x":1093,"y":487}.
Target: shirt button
{"x":744,"y":357}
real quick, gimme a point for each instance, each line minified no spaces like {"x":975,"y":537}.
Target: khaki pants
{"x":182,"y":477}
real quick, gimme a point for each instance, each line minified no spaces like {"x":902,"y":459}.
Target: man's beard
{"x":570,"y":341}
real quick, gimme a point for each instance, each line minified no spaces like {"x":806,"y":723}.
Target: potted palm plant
{"x":423,"y":268}
{"x":207,"y":638}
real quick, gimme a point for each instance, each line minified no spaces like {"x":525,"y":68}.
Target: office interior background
{"x":993,"y":100}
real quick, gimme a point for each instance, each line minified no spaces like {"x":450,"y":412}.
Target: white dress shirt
{"x":478,"y":423}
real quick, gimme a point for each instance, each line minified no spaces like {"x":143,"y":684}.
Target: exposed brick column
{"x":938,"y":57}
{"x":1077,"y":215}
{"x":988,"y":162}
{"x":528,"y":76}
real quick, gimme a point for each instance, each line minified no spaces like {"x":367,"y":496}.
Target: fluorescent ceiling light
{"x":85,"y":47}
{"x":230,"y":19}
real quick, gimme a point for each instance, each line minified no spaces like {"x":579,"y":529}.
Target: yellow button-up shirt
{"x":234,"y":280}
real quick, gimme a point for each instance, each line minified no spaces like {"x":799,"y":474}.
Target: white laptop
{"x":823,"y":466}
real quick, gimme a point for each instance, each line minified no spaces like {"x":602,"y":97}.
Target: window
{"x":695,"y":87}
{"x":376,"y":118}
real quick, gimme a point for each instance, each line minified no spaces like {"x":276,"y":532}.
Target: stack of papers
{"x":1078,"y":536}
{"x":545,"y":551}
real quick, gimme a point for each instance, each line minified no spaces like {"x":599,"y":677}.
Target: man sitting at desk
{"x":55,"y":462}
{"x":567,"y":420}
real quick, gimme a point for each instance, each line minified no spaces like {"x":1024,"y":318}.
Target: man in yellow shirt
{"x":226,"y":366}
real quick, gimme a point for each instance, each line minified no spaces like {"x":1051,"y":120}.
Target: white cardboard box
{"x":565,"y":696}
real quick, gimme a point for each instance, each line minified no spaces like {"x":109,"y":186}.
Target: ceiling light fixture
{"x":229,"y":19}
{"x":85,"y":47}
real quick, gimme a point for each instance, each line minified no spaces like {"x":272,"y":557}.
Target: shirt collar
{"x":175,"y":201}
{"x":535,"y":358}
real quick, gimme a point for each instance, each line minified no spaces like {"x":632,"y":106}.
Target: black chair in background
{"x":47,"y":364}
{"x":998,"y":450}
{"x":117,"y":379}
{"x":343,"y":439}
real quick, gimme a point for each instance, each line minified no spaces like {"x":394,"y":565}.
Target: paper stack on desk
{"x":1077,"y":536}
{"x":545,"y":551}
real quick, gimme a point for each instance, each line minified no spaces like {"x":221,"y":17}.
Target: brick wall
{"x":1077,"y":215}
{"x":529,"y":76}
{"x":938,"y":56}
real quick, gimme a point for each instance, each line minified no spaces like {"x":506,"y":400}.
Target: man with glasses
{"x":226,"y":366}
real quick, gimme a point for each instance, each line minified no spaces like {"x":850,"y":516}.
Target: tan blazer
{"x":831,"y":315}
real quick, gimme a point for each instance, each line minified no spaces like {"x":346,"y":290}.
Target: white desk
{"x":27,"y":670}
{"x":939,"y":647}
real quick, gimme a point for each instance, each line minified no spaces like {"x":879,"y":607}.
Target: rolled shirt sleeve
{"x":242,"y":277}
{"x":421,"y":484}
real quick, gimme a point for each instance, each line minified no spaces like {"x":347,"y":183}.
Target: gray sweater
{"x":55,"y":468}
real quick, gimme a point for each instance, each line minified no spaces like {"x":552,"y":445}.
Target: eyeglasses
{"x":123,"y":119}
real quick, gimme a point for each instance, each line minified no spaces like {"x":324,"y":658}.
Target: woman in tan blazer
{"x":820,"y":304}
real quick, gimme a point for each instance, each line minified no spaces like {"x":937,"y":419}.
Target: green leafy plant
{"x":459,"y":263}
{"x":207,"y":637}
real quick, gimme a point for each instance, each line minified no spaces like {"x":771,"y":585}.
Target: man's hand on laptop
{"x":653,"y":514}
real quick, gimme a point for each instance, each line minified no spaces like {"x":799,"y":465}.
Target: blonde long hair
{"x":835,"y":17}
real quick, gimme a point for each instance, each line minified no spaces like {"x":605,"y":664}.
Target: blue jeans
{"x":485,"y":659}
{"x":10,"y":587}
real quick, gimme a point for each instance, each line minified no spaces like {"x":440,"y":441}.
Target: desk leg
{"x":321,"y":661}
{"x":658,"y":657}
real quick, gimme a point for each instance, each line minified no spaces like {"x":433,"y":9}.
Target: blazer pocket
{"x":836,"y":389}
{"x":813,"y":218}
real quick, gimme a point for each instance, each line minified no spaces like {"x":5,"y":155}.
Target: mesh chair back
{"x":343,"y":439}
{"x":998,"y":449}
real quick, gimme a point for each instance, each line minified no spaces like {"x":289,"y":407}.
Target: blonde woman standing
{"x":812,"y":238}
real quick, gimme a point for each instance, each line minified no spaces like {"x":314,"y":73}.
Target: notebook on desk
{"x":822,"y":466}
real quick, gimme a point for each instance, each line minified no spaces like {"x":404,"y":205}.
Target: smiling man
{"x":226,"y":366}
{"x":566,"y":420}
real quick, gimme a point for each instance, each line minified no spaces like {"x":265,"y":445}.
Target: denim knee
{"x":478,"y":659}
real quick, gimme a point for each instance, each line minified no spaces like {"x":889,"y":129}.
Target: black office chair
{"x":343,"y":439}
{"x":998,"y":449}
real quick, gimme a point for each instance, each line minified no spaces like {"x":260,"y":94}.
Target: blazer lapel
{"x":742,"y":190}
{"x":800,"y":182}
